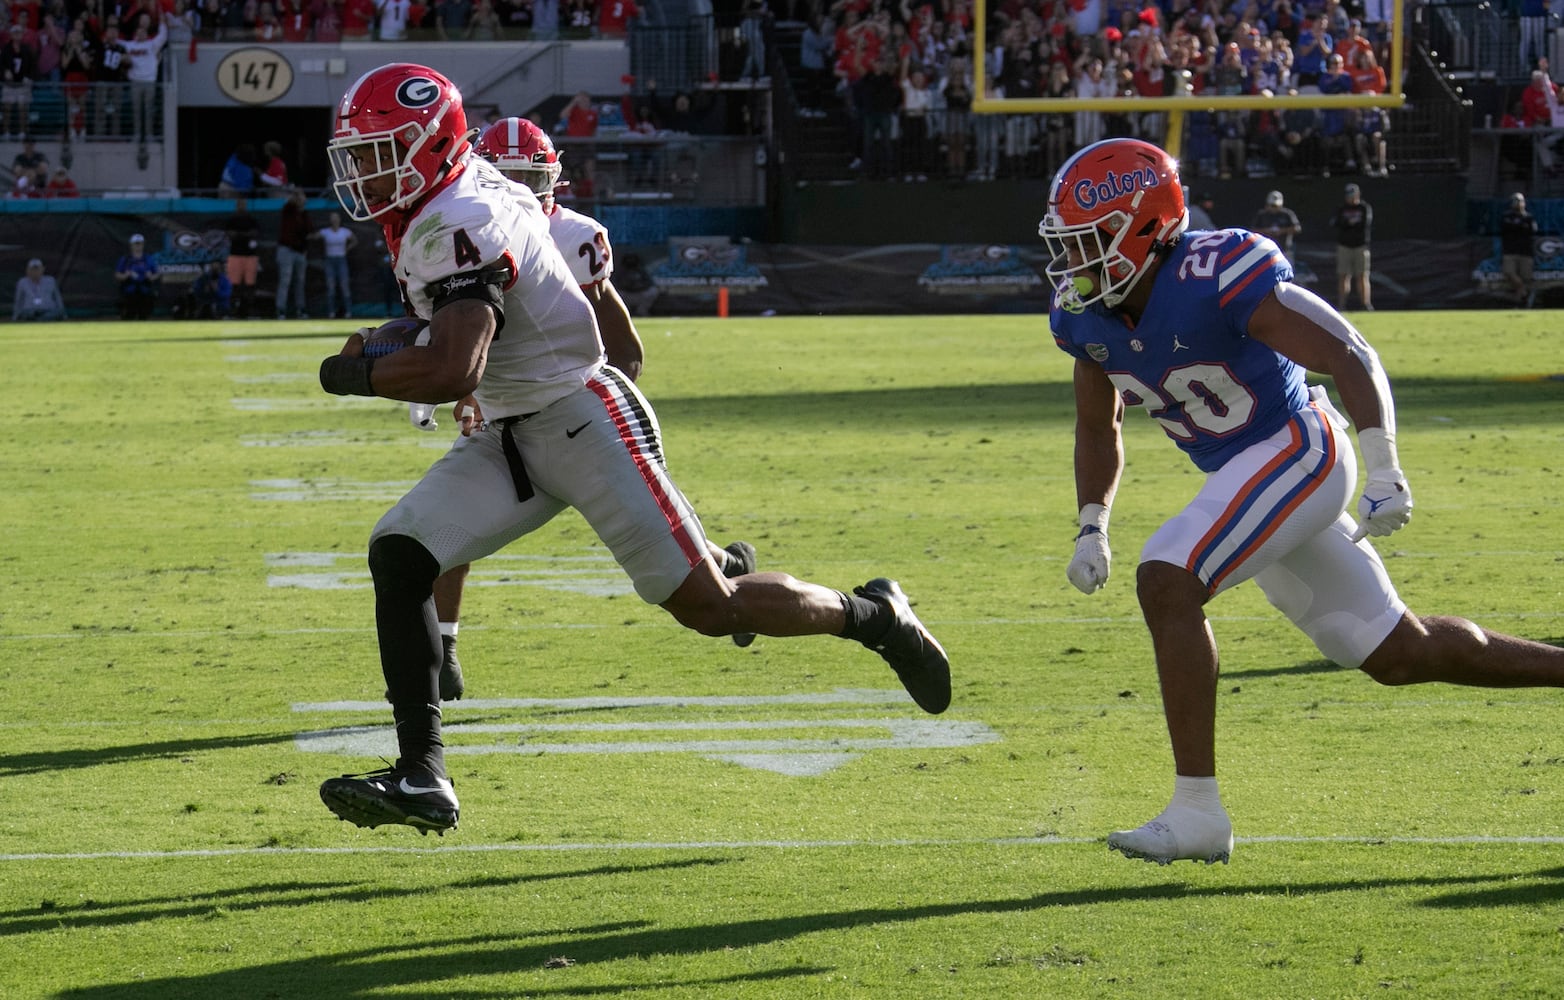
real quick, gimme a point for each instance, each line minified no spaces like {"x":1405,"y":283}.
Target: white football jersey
{"x":584,"y":243}
{"x":549,"y":345}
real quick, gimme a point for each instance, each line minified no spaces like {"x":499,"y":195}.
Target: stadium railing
{"x":666,"y":168}
{"x":1517,"y":159}
{"x":681,"y":56}
{"x":100,"y":111}
{"x":1475,"y":40}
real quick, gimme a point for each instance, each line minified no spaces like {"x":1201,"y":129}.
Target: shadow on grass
{"x":260,"y":333}
{"x":109,"y":913}
{"x":1328,"y":666}
{"x":619,"y":989}
{"x":373,"y":972}
{"x":926,"y":408}
{"x":1525,"y":894}
{"x":1465,"y":403}
{"x":13,"y":765}
{"x":1296,"y":670}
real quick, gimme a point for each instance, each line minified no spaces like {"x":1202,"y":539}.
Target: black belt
{"x":518,"y":471}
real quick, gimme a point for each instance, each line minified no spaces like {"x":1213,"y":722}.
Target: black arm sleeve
{"x":487,"y":285}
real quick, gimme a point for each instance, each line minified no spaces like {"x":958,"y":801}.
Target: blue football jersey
{"x":1190,"y":360}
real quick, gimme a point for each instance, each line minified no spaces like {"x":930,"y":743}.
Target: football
{"x":393,"y":335}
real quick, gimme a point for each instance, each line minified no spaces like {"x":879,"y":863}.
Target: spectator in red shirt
{"x":580,"y":116}
{"x":614,"y":17}
{"x":325,"y":20}
{"x":357,"y":17}
{"x":31,"y":8}
{"x":267,"y":26}
{"x":295,"y":20}
{"x":275,"y":176}
{"x":1537,"y":101}
{"x":61,"y":185}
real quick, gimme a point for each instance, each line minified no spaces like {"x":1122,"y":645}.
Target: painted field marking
{"x":273,"y":378}
{"x":322,"y":402}
{"x":1126,"y":621}
{"x":839,"y":696}
{"x":593,"y":573}
{"x":343,"y":439}
{"x":323,"y":490}
{"x":317,"y":439}
{"x":794,"y":757}
{"x":509,"y":847}
{"x":307,"y":362}
{"x":797,"y":757}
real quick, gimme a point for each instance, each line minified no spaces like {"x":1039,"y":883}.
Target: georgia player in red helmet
{"x":510,"y":326}
{"x":524,"y":152}
{"x":401,"y":132}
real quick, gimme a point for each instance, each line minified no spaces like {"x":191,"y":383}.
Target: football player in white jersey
{"x":524,"y":153}
{"x":510,"y":326}
{"x":1207,"y":332}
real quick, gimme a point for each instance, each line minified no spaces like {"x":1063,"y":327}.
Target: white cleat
{"x":1179,"y":834}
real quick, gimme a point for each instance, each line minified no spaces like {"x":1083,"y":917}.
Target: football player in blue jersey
{"x":1207,"y":332}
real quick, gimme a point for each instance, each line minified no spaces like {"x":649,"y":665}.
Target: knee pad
{"x":401,"y":564}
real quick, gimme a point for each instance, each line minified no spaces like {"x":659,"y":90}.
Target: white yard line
{"x":745,"y":845}
{"x":1126,"y":620}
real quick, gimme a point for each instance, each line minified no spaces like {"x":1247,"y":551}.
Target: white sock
{"x":449,"y":628}
{"x":1199,"y":794}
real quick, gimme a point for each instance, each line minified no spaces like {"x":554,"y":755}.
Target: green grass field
{"x":187,"y":650}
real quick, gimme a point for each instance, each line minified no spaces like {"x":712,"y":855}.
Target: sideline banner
{"x":80,"y":250}
{"x":919,"y":278}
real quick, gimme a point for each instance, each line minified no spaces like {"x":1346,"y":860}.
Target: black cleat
{"x":910,"y":649}
{"x":741,"y":562}
{"x":451,"y":686}
{"x":392,"y":795}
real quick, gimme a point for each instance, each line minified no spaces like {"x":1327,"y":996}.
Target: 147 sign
{"x":254,"y":76}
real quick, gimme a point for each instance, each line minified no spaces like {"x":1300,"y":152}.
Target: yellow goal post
{"x":1176,"y":107}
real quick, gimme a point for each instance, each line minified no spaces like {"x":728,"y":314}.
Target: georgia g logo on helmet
{"x":417,"y":92}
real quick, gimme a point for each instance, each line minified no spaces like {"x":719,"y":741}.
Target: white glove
{"x":1088,"y":570}
{"x":421,"y":416}
{"x":1386,"y":504}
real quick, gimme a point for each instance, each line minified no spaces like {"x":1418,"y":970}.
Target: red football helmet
{"x":523,"y":152}
{"x":402,"y":121}
{"x":1112,"y":208}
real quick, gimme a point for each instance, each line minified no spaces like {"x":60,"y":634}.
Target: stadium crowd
{"x":903,"y":70}
{"x":103,"y":57}
{"x":399,"y":20}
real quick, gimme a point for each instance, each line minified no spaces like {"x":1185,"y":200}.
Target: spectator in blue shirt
{"x":238,"y":179}
{"x":1315,"y":46}
{"x":1534,"y":28}
{"x":816,"y":54}
{"x":1334,"y":122}
{"x":211,"y":293}
{"x":139,"y":280}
